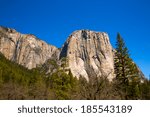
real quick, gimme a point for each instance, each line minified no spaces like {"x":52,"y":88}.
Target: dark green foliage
{"x":17,"y":82}
{"x":127,"y":73}
{"x":64,"y":62}
{"x":62,"y":84}
{"x":145,"y":90}
{"x":122,"y":60}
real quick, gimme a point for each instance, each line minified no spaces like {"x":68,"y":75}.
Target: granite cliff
{"x":25,"y":49}
{"x":88,"y":53}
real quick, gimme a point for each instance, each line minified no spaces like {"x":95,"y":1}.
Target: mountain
{"x":88,"y":53}
{"x":32,"y":69}
{"x":26,"y":50}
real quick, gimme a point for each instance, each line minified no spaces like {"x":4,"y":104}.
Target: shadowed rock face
{"x":89,"y":54}
{"x":26,"y":50}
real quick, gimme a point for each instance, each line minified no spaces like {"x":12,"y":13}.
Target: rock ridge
{"x":88,"y":53}
{"x":25,"y":49}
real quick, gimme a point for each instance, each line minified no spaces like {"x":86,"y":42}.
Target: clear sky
{"x":54,"y":20}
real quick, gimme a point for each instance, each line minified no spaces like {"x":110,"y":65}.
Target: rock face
{"x":26,"y":50}
{"x":89,"y":54}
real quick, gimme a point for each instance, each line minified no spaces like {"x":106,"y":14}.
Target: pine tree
{"x":127,"y":74}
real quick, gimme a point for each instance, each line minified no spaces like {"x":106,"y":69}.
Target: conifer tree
{"x":126,"y":71}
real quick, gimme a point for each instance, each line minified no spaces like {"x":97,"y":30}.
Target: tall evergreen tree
{"x":127,"y":74}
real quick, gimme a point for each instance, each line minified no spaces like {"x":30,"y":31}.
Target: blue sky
{"x":54,"y":20}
